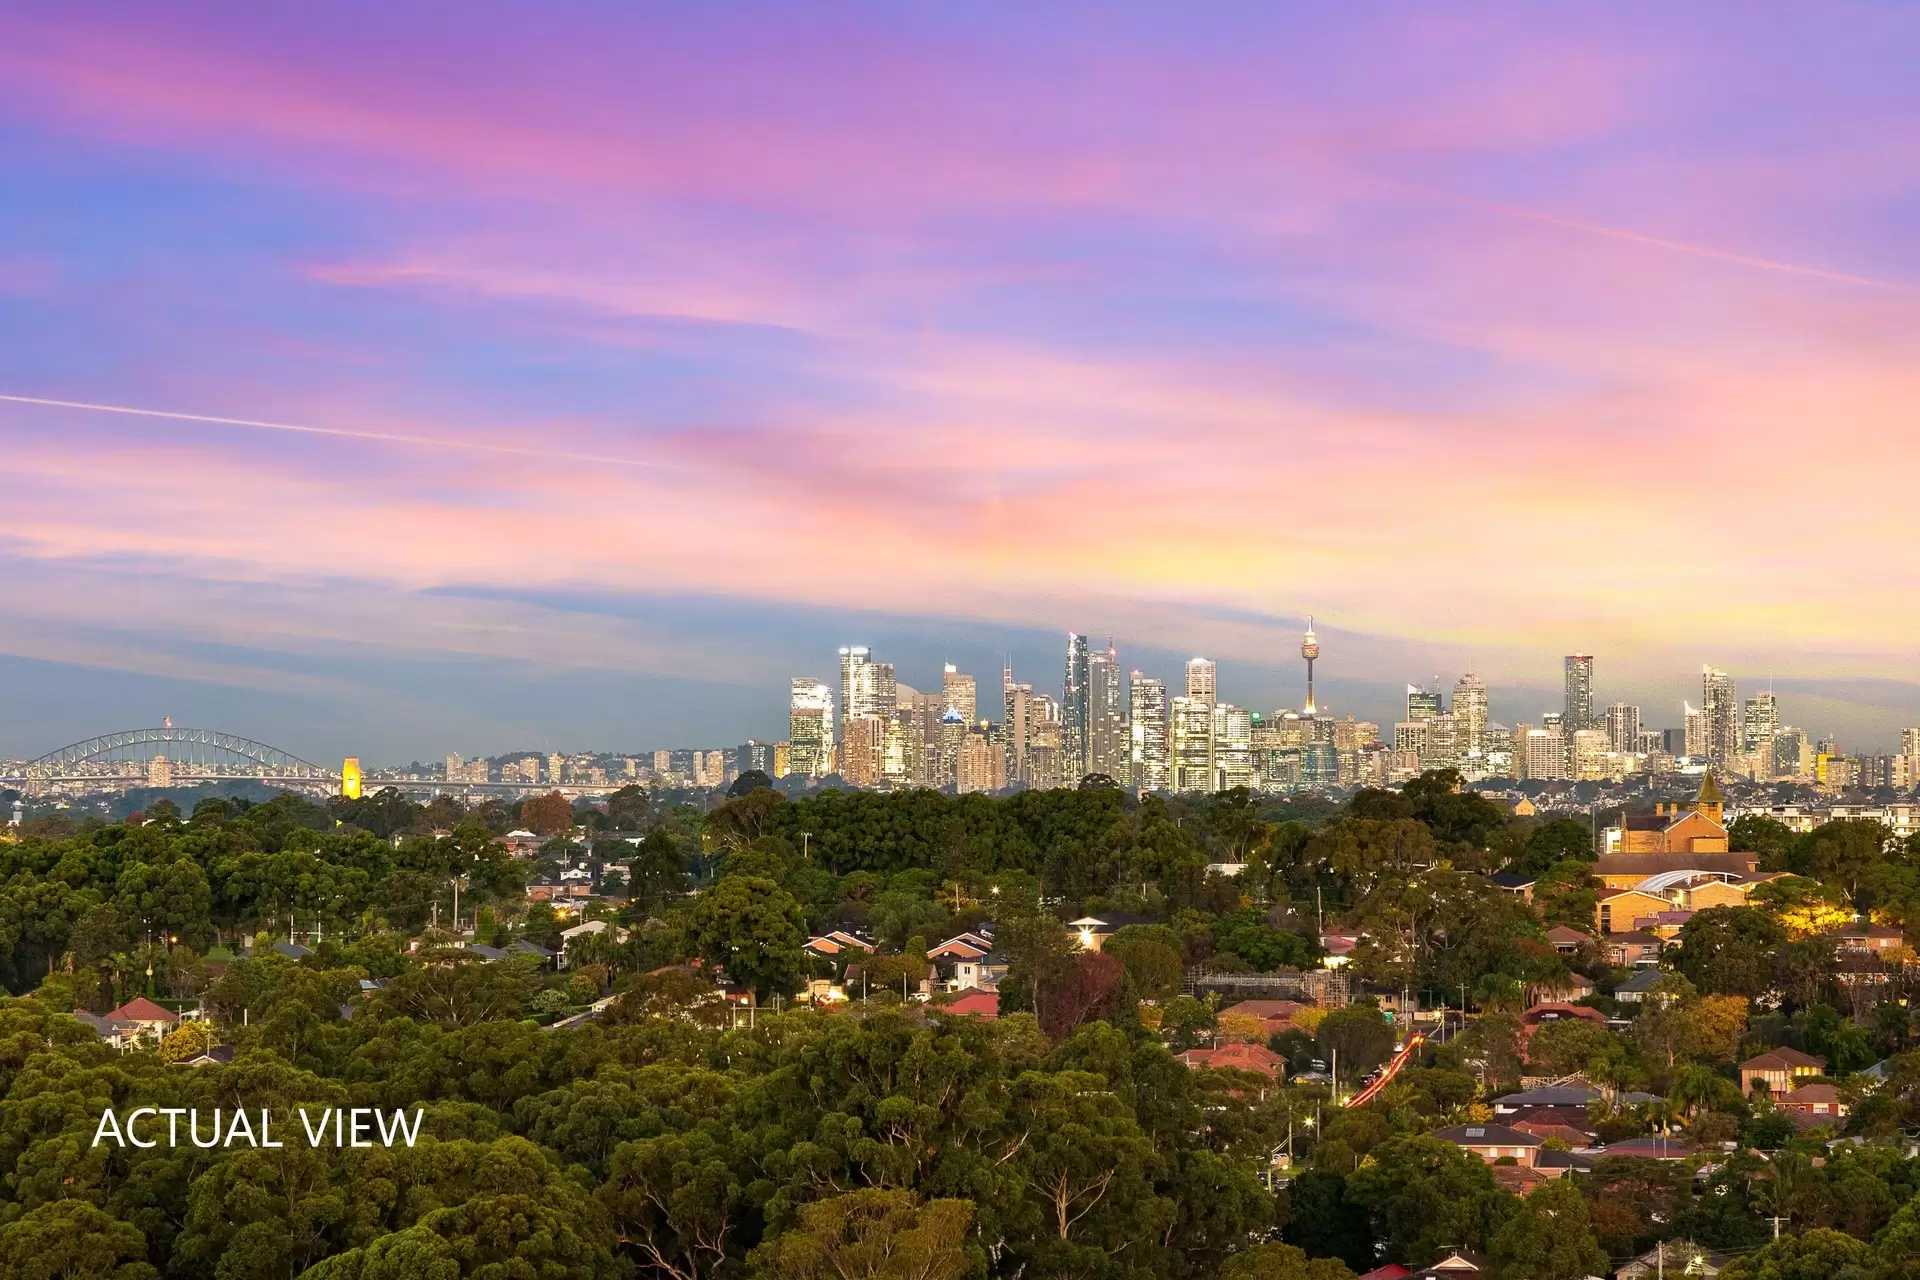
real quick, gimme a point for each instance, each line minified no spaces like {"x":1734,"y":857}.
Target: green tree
{"x":1425,"y":1196}
{"x":870,"y":1235}
{"x":1819,"y":1254}
{"x":1730,"y":951}
{"x":754,"y":929}
{"x":1152,"y":966}
{"x":72,"y":1240}
{"x":1360,"y":1035}
{"x":1276,"y":1261}
{"x":1548,"y":1237}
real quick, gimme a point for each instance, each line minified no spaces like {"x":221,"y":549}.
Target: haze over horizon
{"x":574,"y":378}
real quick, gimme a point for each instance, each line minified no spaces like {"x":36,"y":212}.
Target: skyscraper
{"x":1761,"y":721}
{"x":1579,"y":707}
{"x":1720,"y":710}
{"x":1422,"y":705}
{"x":1623,"y":728}
{"x":1200,"y":680}
{"x":866,"y":686}
{"x":1190,"y":740}
{"x":810,"y":728}
{"x":1232,"y":747}
{"x":1470,"y":716}
{"x":962,"y":695}
{"x":1106,"y":717}
{"x":1147,"y":733}
{"x":1074,"y":714}
{"x":1310,"y":650}
{"x":1693,"y":730}
{"x":1015,"y":729}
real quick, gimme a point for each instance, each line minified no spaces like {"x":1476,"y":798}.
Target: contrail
{"x":379,"y":437}
{"x":1656,"y":242}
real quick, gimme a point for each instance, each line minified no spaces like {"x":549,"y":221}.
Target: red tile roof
{"x":141,"y":1009}
{"x":1238,"y":1057}
{"x":974,"y":1004}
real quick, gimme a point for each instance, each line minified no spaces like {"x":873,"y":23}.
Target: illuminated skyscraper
{"x":1190,"y":741}
{"x":1232,"y":747}
{"x":810,"y":728}
{"x":1074,"y":710}
{"x":1200,"y":681}
{"x":961,"y":693}
{"x":866,"y":686}
{"x":1106,"y":715}
{"x":1147,"y":733}
{"x":1693,"y":731}
{"x":1761,"y":721}
{"x":350,"y":778}
{"x":1720,"y":710}
{"x":1470,"y":716}
{"x":1579,"y":706}
{"x":1422,"y":705}
{"x":1623,"y":727}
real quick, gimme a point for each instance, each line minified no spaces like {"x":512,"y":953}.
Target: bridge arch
{"x":195,"y":753}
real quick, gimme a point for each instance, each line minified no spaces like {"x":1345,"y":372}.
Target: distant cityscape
{"x":867,"y":729}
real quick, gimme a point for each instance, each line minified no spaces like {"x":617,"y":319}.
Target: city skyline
{"x":533,"y":358}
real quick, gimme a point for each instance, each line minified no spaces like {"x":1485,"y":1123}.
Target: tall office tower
{"x":974,"y":769}
{"x":1147,"y":761}
{"x":1232,"y":747}
{"x":1910,"y":750}
{"x":1693,"y":731}
{"x":866,"y":686}
{"x":1579,"y":712}
{"x":718,"y":775}
{"x":960,"y":692}
{"x":810,"y":734}
{"x":1106,"y":715}
{"x":1623,"y":728}
{"x":1190,"y":744}
{"x":1046,"y":764}
{"x":1761,"y":721}
{"x":753,"y":754}
{"x":853,"y":663}
{"x":1074,"y":712}
{"x":1016,"y":727}
{"x":1443,"y":743}
{"x":1422,"y":705}
{"x":1200,"y":681}
{"x":782,"y":759}
{"x":1546,"y":753}
{"x":945,"y":752}
{"x":1310,"y":650}
{"x":456,"y":767}
{"x":864,"y":751}
{"x":1587,"y":755}
{"x":1470,"y":715}
{"x":1411,"y":735}
{"x":1720,"y":708}
{"x":556,"y":769}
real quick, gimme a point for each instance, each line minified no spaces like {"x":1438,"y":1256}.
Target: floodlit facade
{"x":1147,"y":746}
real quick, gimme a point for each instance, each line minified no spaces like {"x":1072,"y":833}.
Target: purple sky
{"x":656,"y":351}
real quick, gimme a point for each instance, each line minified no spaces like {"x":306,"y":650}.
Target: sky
{"x":571,"y":376}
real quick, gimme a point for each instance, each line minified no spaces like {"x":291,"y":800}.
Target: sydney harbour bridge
{"x":169,"y":756}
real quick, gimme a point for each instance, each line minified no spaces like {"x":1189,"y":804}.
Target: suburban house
{"x":1780,"y":1070}
{"x":1518,"y":884}
{"x":836,"y":945}
{"x":1093,"y":931}
{"x":973,"y":1004}
{"x":1635,"y":989}
{"x":1819,"y":1102}
{"x":1492,"y":1141}
{"x":1867,"y":939}
{"x":1277,"y":1014}
{"x":1568,"y":941}
{"x":147,"y":1017}
{"x":1657,"y":1147}
{"x":1634,"y":949}
{"x":1624,"y":910}
{"x":1459,"y":1265}
{"x":1238,"y":1057}
{"x":1679,"y":1258}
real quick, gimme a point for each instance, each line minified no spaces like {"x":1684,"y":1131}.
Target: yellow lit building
{"x":350,"y":777}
